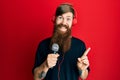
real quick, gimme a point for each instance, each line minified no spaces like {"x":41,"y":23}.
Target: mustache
{"x":62,"y":25}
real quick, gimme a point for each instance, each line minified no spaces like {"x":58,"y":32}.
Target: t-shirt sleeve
{"x":83,"y":47}
{"x":40,"y":56}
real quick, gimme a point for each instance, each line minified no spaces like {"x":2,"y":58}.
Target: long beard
{"x":62,"y":39}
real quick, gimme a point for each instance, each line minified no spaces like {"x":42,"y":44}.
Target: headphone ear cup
{"x":53,"y":19}
{"x":74,"y":21}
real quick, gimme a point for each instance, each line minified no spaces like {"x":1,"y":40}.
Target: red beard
{"x":62,"y":39}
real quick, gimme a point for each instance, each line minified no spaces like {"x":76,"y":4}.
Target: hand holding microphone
{"x":52,"y":58}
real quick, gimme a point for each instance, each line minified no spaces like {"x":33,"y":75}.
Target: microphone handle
{"x":54,"y":52}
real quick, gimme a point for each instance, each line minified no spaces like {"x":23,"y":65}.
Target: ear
{"x":53,"y":19}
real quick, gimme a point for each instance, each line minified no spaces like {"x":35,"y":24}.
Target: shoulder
{"x":77,"y":41}
{"x":45,"y":42}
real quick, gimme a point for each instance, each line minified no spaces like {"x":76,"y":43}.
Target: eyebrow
{"x":68,"y":16}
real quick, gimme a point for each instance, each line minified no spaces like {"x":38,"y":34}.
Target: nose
{"x":64,"y":22}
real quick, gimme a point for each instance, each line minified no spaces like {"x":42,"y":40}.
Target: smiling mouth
{"x":63,"y":29}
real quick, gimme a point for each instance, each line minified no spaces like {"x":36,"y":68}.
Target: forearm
{"x":41,"y":71}
{"x":84,"y":74}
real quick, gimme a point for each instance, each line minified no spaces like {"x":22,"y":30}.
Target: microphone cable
{"x":59,"y":64}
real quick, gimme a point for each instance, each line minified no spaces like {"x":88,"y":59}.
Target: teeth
{"x":63,"y":29}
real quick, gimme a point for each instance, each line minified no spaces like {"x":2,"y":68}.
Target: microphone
{"x":55,"y":47}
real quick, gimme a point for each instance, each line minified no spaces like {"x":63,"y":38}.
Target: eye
{"x":60,"y":17}
{"x":69,"y":19}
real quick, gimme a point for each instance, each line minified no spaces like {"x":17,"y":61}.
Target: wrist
{"x":45,"y":66}
{"x":80,"y":72}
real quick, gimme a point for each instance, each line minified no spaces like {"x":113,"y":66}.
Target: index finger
{"x":86,"y":52}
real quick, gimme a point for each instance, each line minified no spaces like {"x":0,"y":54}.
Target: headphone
{"x":74,"y":18}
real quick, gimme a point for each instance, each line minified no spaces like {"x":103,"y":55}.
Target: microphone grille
{"x":55,"y":47}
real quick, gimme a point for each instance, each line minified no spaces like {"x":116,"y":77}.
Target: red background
{"x":24,"y":23}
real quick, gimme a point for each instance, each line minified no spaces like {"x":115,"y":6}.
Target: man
{"x":70,"y":62}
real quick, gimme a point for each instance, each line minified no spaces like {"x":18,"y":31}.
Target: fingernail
{"x":78,"y":58}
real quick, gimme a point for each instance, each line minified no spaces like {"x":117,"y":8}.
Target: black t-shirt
{"x":66,"y":67}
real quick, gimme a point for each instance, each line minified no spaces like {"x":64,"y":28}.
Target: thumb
{"x":57,"y":55}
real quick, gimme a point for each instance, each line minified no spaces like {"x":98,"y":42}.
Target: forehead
{"x":68,"y":14}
